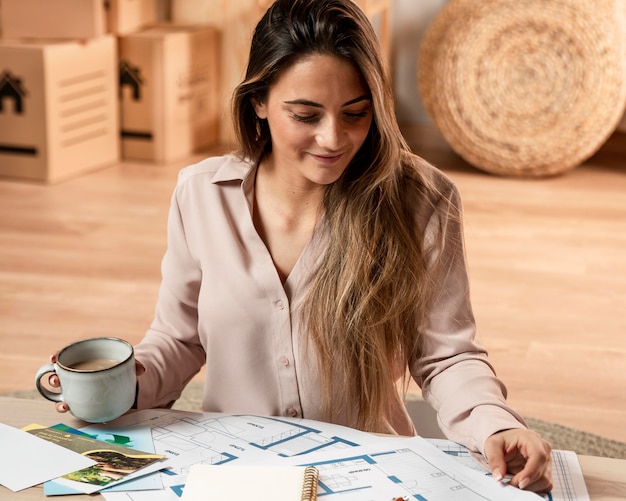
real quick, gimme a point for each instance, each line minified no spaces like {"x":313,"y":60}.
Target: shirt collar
{"x":233,"y":169}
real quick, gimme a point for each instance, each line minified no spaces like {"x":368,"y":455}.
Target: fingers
{"x":61,"y":407}
{"x":536,"y":474}
{"x":524,"y":454}
{"x":535,"y":483}
{"x":140,"y":369}
{"x":53,"y":380}
{"x":495,"y":451}
{"x":542,"y":484}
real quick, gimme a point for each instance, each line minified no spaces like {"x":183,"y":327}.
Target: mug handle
{"x":45,"y":392}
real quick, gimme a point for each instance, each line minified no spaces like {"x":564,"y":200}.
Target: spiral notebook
{"x":262,"y":483}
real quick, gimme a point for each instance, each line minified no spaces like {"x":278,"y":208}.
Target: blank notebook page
{"x":261,"y":483}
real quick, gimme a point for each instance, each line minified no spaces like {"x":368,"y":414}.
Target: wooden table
{"x":605,"y":477}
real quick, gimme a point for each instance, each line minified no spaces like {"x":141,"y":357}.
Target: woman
{"x":324,"y":262}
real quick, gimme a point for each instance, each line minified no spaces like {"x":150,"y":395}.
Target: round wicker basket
{"x":526,"y":88}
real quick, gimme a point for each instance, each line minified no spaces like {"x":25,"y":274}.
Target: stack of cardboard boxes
{"x":84,"y":83}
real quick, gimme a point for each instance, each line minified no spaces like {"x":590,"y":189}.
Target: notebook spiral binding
{"x":309,"y":489}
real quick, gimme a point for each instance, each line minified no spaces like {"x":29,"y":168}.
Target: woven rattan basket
{"x":526,"y":88}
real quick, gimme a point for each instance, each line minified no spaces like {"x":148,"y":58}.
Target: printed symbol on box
{"x":131,"y":76}
{"x":11,"y":88}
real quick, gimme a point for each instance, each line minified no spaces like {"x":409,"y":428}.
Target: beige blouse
{"x":222,"y":303}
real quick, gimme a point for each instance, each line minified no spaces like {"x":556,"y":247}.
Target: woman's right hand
{"x":53,"y":380}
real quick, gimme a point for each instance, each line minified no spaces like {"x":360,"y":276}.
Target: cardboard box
{"x":59,"y":112}
{"x":46,"y":19}
{"x":237,"y":20}
{"x":129,"y":16}
{"x":70,"y":19}
{"x":169,"y":87}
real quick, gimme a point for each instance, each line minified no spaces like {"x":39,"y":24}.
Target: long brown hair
{"x":369,"y":296}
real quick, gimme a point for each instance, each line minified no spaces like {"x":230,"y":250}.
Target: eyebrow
{"x":306,"y":102}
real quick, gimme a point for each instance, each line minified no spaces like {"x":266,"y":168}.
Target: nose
{"x":330,"y":134}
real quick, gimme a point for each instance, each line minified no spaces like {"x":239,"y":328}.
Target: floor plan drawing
{"x":353,"y":465}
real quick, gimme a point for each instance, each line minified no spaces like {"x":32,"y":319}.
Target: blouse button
{"x":280,"y":305}
{"x":284,"y":361}
{"x":292,"y":412}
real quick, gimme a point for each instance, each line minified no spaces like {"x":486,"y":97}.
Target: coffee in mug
{"x":97,"y":376}
{"x":97,"y":364}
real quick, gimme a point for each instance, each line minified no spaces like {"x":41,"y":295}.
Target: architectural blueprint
{"x":354,"y":466}
{"x":567,"y":476}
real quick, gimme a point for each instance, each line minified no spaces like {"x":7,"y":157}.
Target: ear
{"x":259,"y":108}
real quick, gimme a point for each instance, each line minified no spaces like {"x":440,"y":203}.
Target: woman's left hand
{"x":524,"y":454}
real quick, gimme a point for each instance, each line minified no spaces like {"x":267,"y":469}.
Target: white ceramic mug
{"x":97,"y":376}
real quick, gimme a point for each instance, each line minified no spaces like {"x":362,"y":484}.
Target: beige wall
{"x":410,"y":21}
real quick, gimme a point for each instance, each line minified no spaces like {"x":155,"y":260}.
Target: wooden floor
{"x":547,"y":264}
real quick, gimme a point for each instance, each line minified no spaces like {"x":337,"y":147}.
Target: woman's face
{"x":319,"y":112}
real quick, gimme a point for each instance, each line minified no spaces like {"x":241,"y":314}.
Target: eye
{"x":304,"y":118}
{"x":353,"y":116}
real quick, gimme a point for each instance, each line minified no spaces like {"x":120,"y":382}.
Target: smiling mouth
{"x":327,"y":159}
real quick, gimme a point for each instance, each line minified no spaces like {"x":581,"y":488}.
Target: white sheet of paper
{"x":27,"y":460}
{"x":207,"y":482}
